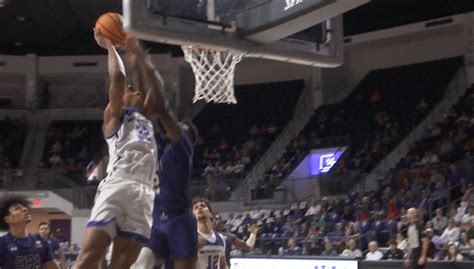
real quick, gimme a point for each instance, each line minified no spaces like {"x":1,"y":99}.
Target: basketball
{"x":110,"y":26}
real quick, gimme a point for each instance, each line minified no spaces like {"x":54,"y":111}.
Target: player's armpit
{"x":201,"y":242}
{"x":50,"y":265}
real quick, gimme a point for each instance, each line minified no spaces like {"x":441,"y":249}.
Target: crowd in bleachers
{"x":449,"y":139}
{"x":235,"y":136}
{"x":71,"y":146}
{"x":371,"y":120}
{"x":357,"y":225}
{"x":442,"y":190}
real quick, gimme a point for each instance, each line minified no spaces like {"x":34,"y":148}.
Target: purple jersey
{"x":24,"y":253}
{"x":174,"y":172}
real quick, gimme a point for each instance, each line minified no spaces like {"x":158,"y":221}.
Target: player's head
{"x":43,"y":229}
{"x":14,"y":212}
{"x":133,"y":97}
{"x":190,"y":128}
{"x":202,"y":208}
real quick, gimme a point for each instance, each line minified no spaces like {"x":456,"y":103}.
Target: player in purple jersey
{"x":19,"y":249}
{"x":173,"y":235}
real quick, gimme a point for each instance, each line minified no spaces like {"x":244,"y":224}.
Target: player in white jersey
{"x":211,"y":244}
{"x":122,"y":212}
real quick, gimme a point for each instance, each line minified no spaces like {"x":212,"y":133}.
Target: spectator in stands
{"x":466,"y":245}
{"x":329,"y":249}
{"x":55,"y":160}
{"x":314,"y":209}
{"x":292,"y":249}
{"x":439,"y":221}
{"x":318,"y":222}
{"x":378,"y":212}
{"x":374,"y":253}
{"x":468,"y":217}
{"x":312,"y":242}
{"x":337,"y":235}
{"x":451,"y":233}
{"x":432,"y":254}
{"x":393,"y":253}
{"x":393,"y":210}
{"x":402,"y":242}
{"x":429,"y":158}
{"x":351,"y":250}
{"x":453,"y":254}
{"x":440,"y":195}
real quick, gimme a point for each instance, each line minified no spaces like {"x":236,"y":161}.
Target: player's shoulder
{"x":220,"y":235}
{"x":3,"y":238}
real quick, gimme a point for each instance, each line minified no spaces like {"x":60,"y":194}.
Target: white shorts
{"x":123,"y":208}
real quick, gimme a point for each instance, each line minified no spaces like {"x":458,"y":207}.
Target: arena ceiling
{"x":64,"y":27}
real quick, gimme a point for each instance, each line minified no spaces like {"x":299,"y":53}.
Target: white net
{"x":214,"y":73}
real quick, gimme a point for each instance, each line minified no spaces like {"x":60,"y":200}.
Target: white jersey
{"x":209,"y":256}
{"x":132,"y":149}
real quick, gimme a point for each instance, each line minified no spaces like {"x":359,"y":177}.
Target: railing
{"x":290,"y":190}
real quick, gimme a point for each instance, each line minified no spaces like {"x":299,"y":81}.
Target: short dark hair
{"x":8,"y":201}
{"x":392,"y":242}
{"x":43,"y":223}
{"x":203,"y":200}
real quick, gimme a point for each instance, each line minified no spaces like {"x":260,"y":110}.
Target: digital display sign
{"x":265,"y":263}
{"x":323,"y":160}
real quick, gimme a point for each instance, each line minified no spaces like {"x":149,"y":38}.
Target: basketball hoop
{"x":214,"y":73}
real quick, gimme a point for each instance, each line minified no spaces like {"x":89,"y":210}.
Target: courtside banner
{"x":278,"y":263}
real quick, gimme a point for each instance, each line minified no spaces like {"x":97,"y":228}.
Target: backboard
{"x":305,"y":32}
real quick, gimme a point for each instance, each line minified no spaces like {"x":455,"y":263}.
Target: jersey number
{"x":143,"y":133}
{"x":213,"y":262}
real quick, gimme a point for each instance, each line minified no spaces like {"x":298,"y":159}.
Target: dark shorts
{"x":174,"y":236}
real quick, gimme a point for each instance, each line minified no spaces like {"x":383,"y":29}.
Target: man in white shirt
{"x":439,"y":221}
{"x":374,"y":253}
{"x":451,"y":233}
{"x":469,"y":216}
{"x":313,"y":210}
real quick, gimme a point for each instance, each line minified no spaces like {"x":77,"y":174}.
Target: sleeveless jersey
{"x":210,"y":254}
{"x":132,"y":149}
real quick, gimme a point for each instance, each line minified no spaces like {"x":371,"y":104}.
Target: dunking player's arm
{"x":155,"y":102}
{"x":116,"y":72}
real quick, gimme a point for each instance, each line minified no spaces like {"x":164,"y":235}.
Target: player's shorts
{"x":123,"y":208}
{"x":174,"y":236}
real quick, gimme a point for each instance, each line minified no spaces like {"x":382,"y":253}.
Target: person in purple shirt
{"x":173,"y":235}
{"x":19,"y":249}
